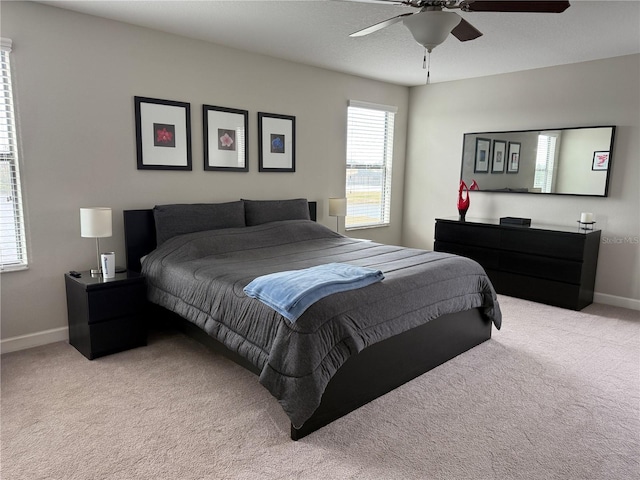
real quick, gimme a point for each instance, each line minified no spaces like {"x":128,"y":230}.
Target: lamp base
{"x":96,"y":272}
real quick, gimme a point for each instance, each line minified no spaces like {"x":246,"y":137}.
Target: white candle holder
{"x":585,"y":225}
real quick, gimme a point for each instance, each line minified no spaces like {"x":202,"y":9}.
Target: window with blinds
{"x":13,"y":252}
{"x":369,"y":158}
{"x":545,"y":163}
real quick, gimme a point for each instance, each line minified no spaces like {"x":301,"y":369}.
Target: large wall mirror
{"x":565,"y":161}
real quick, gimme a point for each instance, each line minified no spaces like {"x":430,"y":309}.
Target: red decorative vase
{"x":463,"y":201}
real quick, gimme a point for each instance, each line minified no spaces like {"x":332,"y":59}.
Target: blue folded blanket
{"x":290,"y":293}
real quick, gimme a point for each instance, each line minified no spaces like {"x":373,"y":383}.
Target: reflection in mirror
{"x":569,"y":161}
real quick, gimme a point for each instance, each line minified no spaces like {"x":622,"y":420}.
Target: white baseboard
{"x":615,"y":301}
{"x":23,"y":342}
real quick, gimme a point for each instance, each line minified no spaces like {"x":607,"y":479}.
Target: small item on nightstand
{"x":75,"y":274}
{"x":108,"y":264}
{"x":517,"y":221}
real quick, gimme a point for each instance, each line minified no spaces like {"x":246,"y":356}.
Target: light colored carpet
{"x":554,"y":395}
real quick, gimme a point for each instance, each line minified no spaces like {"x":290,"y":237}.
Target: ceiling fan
{"x":431,"y":25}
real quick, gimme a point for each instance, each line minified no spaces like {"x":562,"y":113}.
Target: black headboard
{"x":140,"y":234}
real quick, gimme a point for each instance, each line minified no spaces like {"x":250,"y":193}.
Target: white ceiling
{"x":316,"y":32}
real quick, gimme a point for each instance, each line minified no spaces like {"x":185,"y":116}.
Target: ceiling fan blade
{"x":541,"y":6}
{"x":379,"y":26}
{"x":381,"y":2}
{"x":464,"y":31}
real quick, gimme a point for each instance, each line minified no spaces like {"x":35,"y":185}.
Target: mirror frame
{"x":479,"y":134}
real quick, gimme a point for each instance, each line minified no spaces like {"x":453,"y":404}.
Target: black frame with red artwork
{"x":163,"y":134}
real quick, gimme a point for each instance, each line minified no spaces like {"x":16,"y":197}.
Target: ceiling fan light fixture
{"x":431,"y":28}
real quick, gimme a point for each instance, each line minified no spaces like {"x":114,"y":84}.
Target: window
{"x":369,"y":157}
{"x":545,"y":163}
{"x":13,"y":254}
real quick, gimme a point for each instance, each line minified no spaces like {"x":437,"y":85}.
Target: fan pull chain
{"x":426,"y":65}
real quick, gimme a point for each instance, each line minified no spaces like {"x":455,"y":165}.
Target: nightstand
{"x":106,"y":315}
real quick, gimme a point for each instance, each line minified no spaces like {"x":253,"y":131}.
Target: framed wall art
{"x":513,"y":158}
{"x":600,"y":161}
{"x":226,"y":138}
{"x":499,"y":155}
{"x":163,"y":134}
{"x":276,"y":142}
{"x":481,"y":163}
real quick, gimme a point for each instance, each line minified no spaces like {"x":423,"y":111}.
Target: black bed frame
{"x":374,"y":371}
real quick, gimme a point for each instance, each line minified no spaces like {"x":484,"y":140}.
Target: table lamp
{"x":337,"y":208}
{"x":95,"y":222}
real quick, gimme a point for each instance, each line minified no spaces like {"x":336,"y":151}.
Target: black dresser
{"x":552,"y":265}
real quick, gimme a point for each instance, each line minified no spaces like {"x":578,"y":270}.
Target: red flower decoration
{"x":164,"y":136}
{"x":226,"y":140}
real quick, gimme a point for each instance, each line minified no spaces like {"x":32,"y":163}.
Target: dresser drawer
{"x":486,"y":257}
{"x":108,"y":303}
{"x":467,"y":234}
{"x":116,"y":335}
{"x":559,"y":245}
{"x":559,"y":294}
{"x":557,"y":269}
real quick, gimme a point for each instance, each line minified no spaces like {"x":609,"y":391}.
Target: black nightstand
{"x":106,"y":315}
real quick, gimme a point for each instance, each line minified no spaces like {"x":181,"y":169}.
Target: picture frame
{"x":163,"y":134}
{"x":499,"y":156}
{"x":513,"y":158}
{"x":225,"y":137}
{"x":276,"y":142}
{"x":481,"y":162}
{"x":600,"y":161}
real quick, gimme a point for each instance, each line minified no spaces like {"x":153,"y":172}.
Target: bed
{"x":345,"y":349}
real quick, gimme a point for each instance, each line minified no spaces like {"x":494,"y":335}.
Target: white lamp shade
{"x":431,"y":28}
{"x":337,"y":207}
{"x":95,"y":222}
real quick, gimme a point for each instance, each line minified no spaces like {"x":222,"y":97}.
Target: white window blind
{"x":545,"y":162}
{"x":369,"y":159}
{"x":13,"y":252}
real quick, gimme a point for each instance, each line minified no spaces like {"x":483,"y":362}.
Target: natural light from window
{"x":545,"y":163}
{"x":369,"y":161}
{"x":13,"y":253}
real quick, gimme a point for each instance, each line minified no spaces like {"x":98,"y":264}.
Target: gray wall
{"x":76,"y":77}
{"x":574,"y":174}
{"x":563,"y":96}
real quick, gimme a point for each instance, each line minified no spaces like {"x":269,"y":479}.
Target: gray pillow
{"x":172,"y":220}
{"x":258,"y":212}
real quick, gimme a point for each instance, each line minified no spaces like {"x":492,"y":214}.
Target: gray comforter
{"x":201,"y":275}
